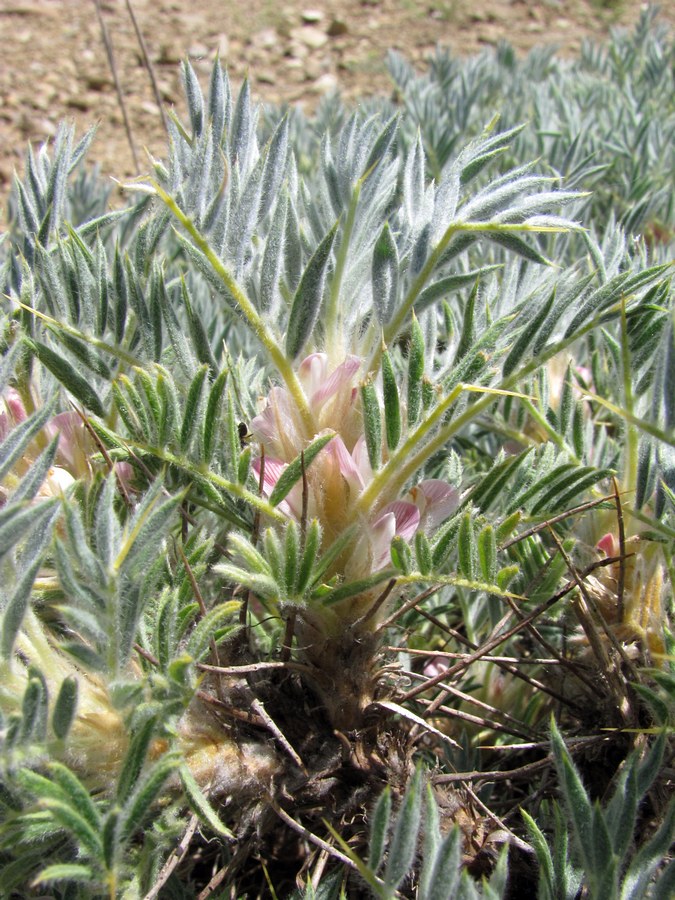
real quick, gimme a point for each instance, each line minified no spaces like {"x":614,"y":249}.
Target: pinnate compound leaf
{"x":211,"y":626}
{"x":309,"y":555}
{"x":649,"y":857}
{"x":466,"y":547}
{"x":275,"y":164}
{"x":603,"y":868}
{"x":68,"y":376}
{"x":575,"y":798}
{"x":528,"y":334}
{"x":34,"y":710}
{"x":448,"y":285}
{"x":193,"y":408}
{"x":546,"y":889}
{"x":143,"y":536}
{"x":39,"y":785}
{"x":8,"y":362}
{"x":252,"y":557}
{"x":42,"y":519}
{"x":110,"y":837}
{"x":243,"y":143}
{"x":515,"y":244}
{"x":415,"y":371}
{"x":195,"y":99}
{"x":649,"y":768}
{"x":445,"y":873}
{"x":212,"y":417}
{"x":76,"y":793}
{"x":622,"y":809}
{"x":17,"y":518}
{"x":20,"y":437}
{"x":272,"y":266}
{"x":392,"y":405}
{"x":70,"y":818}
{"x":108,"y":530}
{"x":184,"y":357}
{"x":372,"y":423}
{"x":36,"y":475}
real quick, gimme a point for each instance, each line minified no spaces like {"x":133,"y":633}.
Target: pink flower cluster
{"x":66,"y":425}
{"x":72,"y":456}
{"x":342,"y":470}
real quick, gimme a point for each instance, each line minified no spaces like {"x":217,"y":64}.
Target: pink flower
{"x":15,"y":412}
{"x":557,"y":370}
{"x":436,"y":501}
{"x":58,"y":477}
{"x":609,"y":545}
{"x":332,"y":401}
{"x":342,"y":470}
{"x":435,"y":665}
{"x":73,"y":452}
{"x":397,"y":519}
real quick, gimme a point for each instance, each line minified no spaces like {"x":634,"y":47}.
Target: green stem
{"x":552,"y":434}
{"x":391,"y":478}
{"x":396,"y":462}
{"x":395,"y":477}
{"x":404,"y":463}
{"x":416,"y":578}
{"x":277,"y":355}
{"x":231,"y":487}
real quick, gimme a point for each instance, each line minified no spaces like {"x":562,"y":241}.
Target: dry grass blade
{"x":518,"y":728}
{"x":513,"y":838}
{"x":621,"y":583}
{"x":272,"y":726}
{"x":411,"y":604}
{"x":480,"y":721}
{"x":583,"y":608}
{"x":251,"y":668}
{"x":118,"y":87}
{"x":542,"y":526}
{"x":501,"y":637}
{"x":411,"y":717}
{"x":574,"y":745}
{"x":310,"y":836}
{"x":148,"y":64}
{"x":175,"y":857}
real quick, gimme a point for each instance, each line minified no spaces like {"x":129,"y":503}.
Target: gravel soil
{"x":55,"y":65}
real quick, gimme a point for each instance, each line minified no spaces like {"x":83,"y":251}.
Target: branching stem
{"x":394,"y":327}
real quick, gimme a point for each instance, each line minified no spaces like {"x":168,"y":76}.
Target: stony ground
{"x":55,"y":65}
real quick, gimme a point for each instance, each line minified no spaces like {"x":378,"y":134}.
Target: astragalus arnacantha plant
{"x":322,"y":479}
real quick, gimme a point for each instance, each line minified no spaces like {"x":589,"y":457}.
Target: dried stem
{"x":175,"y":857}
{"x":118,"y":87}
{"x":147,"y":63}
